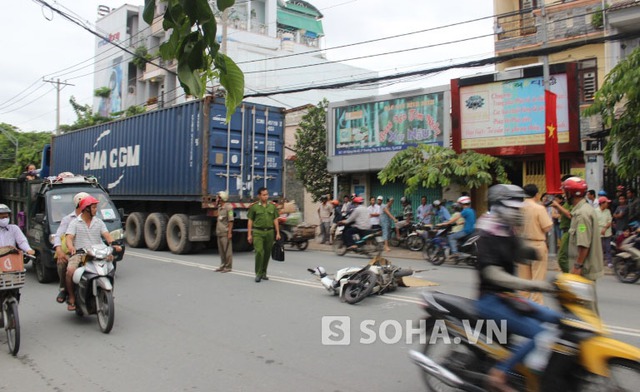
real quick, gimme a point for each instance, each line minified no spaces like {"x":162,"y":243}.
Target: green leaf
{"x":224,"y":4}
{"x":149,"y":11}
{"x":189,"y":80}
{"x":232,"y":79}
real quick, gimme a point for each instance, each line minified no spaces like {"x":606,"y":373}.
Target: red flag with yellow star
{"x":552,"y":156}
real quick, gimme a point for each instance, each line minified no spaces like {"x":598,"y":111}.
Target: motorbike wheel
{"x":624,"y":375}
{"x":302,"y":245}
{"x":625,"y":270}
{"x":415,"y":243}
{"x":457,"y":358}
{"x":434,"y":254}
{"x":394,"y":241}
{"x":106,"y":310}
{"x":12,"y":326}
{"x":356,"y":292}
{"x":339,"y":247}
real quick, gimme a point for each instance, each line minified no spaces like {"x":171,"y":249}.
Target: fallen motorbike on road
{"x":93,"y":285}
{"x":580,"y":356}
{"x":353,"y":284}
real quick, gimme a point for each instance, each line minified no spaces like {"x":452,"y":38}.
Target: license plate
{"x":379,"y":239}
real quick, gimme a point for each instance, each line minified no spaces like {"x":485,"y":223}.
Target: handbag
{"x":277,"y":252}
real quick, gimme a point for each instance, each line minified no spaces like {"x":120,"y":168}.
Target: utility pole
{"x":59,"y":86}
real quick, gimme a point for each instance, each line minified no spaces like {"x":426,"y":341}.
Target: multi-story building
{"x":277,"y":44}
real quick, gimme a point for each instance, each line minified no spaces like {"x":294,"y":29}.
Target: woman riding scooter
{"x":498,"y":250}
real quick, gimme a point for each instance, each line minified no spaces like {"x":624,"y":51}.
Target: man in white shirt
{"x":361,"y":221}
{"x":375,"y":209}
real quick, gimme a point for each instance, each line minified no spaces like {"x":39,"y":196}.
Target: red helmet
{"x":335,"y":202}
{"x":575,"y":186}
{"x":358,"y":200}
{"x":88,"y":201}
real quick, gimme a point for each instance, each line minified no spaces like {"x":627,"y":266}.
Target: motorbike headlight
{"x":100,"y":251}
{"x":117,"y":234}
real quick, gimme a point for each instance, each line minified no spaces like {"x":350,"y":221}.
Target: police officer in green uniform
{"x":263,"y":218}
{"x":565,"y":223}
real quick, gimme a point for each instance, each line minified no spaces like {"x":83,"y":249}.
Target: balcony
{"x":516,"y":25}
{"x":153,"y":72}
{"x":156,"y":26}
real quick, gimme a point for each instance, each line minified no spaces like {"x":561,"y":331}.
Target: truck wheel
{"x":44,"y":274}
{"x":178,"y":234}
{"x":134,"y":229}
{"x":155,"y":231}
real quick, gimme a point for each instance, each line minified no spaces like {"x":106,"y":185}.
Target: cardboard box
{"x":11,"y":262}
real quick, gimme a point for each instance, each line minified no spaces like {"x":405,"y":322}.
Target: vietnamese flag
{"x":552,"y":156}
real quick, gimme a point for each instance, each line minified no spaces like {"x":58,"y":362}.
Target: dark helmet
{"x":505,"y":201}
{"x":456,"y":207}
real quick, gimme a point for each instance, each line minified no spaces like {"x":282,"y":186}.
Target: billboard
{"x":389,"y":125}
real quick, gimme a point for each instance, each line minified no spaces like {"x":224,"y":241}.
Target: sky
{"x":38,"y":45}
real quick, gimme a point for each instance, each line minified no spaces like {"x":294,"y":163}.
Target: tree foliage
{"x":86,"y":117}
{"x":435,"y":166}
{"x":311,"y":152}
{"x":618,"y":102}
{"x":30,"y":145}
{"x":194,"y":45}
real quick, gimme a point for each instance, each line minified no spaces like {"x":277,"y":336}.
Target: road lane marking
{"x":317,"y":285}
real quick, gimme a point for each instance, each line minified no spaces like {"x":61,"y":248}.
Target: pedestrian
{"x":224,"y":232}
{"x":325,"y":211}
{"x":29,"y":173}
{"x":585,"y":247}
{"x":634,"y":205}
{"x":591,"y":198}
{"x":564,"y":209}
{"x":263,"y":218}
{"x":337,"y":215}
{"x":407,"y":213}
{"x":386,"y":220}
{"x":375,"y":210}
{"x":620,"y":190}
{"x":537,"y":224}
{"x":621,"y":214}
{"x":424,"y":211}
{"x":605,"y":220}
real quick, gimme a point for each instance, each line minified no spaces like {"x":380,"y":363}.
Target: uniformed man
{"x":263,"y":218}
{"x":224,"y":231}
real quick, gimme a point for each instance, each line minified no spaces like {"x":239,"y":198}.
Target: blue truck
{"x":164,"y":168}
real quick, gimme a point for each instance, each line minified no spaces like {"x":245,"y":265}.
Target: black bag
{"x":277,"y":252}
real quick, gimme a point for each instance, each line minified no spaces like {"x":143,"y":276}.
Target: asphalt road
{"x":182,"y":327}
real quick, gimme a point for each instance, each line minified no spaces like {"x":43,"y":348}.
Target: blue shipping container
{"x":186,"y":152}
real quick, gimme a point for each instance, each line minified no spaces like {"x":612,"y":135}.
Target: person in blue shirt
{"x":424,"y":211}
{"x":439,"y":213}
{"x":469,"y":216}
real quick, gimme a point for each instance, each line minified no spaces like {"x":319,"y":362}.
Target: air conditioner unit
{"x":132,"y":89}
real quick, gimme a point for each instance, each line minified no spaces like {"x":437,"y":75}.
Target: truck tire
{"x":134,"y":229}
{"x":155,"y":231}
{"x":44,"y":274}
{"x":240,"y":243}
{"x":178,"y":234}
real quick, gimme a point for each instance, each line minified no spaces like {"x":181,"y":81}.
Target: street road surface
{"x":179,"y":326}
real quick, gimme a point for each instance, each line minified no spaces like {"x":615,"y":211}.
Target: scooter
{"x":410,"y":236}
{"x":437,"y":250}
{"x":461,"y":347}
{"x":626,"y":263}
{"x":353,"y":284}
{"x":370,"y":243}
{"x":93,"y":285}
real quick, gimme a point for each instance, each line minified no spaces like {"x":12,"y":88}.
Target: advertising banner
{"x":511,"y":113}
{"x":389,"y":125}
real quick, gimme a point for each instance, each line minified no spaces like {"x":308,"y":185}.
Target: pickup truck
{"x":38,"y":206}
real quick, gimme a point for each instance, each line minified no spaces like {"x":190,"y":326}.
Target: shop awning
{"x":300,"y":22}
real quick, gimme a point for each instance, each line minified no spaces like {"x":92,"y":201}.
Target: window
{"x":588,"y":79}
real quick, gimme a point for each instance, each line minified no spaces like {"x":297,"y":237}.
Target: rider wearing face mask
{"x":498,"y":251}
{"x":11,"y":235}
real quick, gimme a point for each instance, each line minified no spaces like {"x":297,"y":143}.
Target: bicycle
{"x":12,"y":278}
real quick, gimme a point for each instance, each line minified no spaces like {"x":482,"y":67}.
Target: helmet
{"x":505,"y":201}
{"x":4,"y":209}
{"x":464,"y":200}
{"x":358,"y":200}
{"x":620,"y":188}
{"x":456,"y":207}
{"x":436,"y":203}
{"x":380,"y":197}
{"x":224,"y":195}
{"x":88,"y":201}
{"x":575,"y":186}
{"x":78,"y":198}
{"x":634,"y":225}
{"x":335,"y":202}
{"x":602,"y":193}
{"x":403,"y":199}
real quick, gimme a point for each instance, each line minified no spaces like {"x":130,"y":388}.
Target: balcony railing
{"x":517,"y":25}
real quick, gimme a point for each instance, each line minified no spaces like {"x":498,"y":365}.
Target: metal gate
{"x":396,"y":190}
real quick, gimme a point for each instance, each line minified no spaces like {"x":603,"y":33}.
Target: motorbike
{"x":626,"y":261}
{"x":93,"y":284}
{"x":370,"y":243}
{"x":353,"y":284}
{"x":410,"y":236}
{"x":12,"y":279}
{"x":579,"y":355}
{"x":437,"y":250}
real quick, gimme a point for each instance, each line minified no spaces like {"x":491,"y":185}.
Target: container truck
{"x":164,"y":168}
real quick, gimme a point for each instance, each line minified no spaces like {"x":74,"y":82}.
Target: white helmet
{"x":78,"y":198}
{"x":4,"y":209}
{"x":224,"y":195}
{"x":464,"y":200}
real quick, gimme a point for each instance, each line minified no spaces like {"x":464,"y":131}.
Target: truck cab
{"x":39,"y":206}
